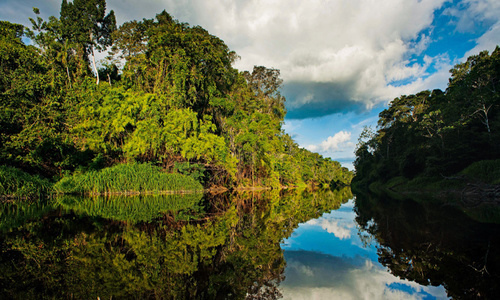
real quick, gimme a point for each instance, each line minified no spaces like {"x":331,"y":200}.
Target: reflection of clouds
{"x":340,"y":228}
{"x":312,"y":275}
{"x":303,"y":270}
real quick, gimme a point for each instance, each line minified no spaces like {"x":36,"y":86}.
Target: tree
{"x":265,"y":84}
{"x":475,"y":84}
{"x":84,"y":22}
{"x":32,"y":131}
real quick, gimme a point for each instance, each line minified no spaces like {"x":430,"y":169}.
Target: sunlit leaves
{"x":177,"y":100}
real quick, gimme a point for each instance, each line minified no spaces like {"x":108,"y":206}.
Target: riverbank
{"x":122,"y":179}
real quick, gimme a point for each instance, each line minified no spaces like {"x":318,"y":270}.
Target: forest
{"x":436,"y":136}
{"x":166,"y":97}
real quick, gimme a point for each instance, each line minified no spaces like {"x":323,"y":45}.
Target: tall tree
{"x":476,"y":84}
{"x":84,"y":22}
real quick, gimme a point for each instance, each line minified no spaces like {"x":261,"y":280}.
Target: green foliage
{"x":197,"y":171}
{"x":85,"y":22}
{"x":177,"y":99}
{"x":435,"y":134}
{"x":16,"y":183}
{"x":126,"y":178}
{"x":487,"y":171}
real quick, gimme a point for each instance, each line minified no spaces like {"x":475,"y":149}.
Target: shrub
{"x":487,"y":171}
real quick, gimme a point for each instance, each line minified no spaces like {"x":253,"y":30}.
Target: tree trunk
{"x":69,"y":77}
{"x":95,"y":67}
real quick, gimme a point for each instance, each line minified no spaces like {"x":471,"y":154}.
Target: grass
{"x":18,"y":184}
{"x":126,"y":178}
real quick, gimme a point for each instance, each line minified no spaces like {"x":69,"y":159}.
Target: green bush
{"x":487,"y":171}
{"x":125,"y":178}
{"x":16,"y":183}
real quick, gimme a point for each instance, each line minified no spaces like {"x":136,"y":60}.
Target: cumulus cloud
{"x":19,"y":11}
{"x":334,"y":55}
{"x":334,"y":143}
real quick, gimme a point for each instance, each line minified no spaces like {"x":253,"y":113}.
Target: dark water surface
{"x":291,"y":245}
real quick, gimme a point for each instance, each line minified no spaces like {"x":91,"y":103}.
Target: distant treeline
{"x":436,"y":133}
{"x":167,"y":94}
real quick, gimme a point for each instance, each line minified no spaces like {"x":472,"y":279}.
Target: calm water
{"x":290,"y":245}
{"x":328,"y":258}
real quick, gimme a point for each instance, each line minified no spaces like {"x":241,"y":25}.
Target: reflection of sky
{"x":326,"y":259}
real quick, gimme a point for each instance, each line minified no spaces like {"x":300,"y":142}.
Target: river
{"x":289,"y":244}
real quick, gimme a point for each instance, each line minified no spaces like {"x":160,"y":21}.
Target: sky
{"x":342,"y":61}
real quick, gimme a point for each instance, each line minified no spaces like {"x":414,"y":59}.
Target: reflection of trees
{"x":232,"y":251}
{"x":436,"y":245}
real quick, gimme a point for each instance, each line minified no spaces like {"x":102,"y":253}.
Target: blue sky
{"x":342,"y":61}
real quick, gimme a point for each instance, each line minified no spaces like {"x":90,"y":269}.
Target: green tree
{"x":31,"y":117}
{"x":84,"y":22}
{"x":475,"y":84}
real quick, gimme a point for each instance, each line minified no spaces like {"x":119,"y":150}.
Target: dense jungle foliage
{"x":436,"y":134}
{"x":167,"y":95}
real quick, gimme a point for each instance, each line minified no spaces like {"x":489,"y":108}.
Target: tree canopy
{"x":167,"y":94}
{"x":437,"y":133}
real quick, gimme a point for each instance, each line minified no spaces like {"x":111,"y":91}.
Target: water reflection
{"x":434,"y":245}
{"x":136,"y":208}
{"x":250,"y":245}
{"x":224,"y":247}
{"x":383,"y":248}
{"x":327,"y":259}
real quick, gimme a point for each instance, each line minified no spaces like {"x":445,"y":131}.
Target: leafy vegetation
{"x":487,"y":171}
{"x":129,"y":178}
{"x":430,"y":137}
{"x":167,"y":95}
{"x":16,"y":183}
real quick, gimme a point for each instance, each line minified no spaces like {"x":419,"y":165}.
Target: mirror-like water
{"x":328,"y":258}
{"x":291,"y":245}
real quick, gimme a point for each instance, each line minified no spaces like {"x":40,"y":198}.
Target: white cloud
{"x":358,"y":43}
{"x":484,"y":11}
{"x":334,"y":143}
{"x":339,"y":53}
{"x":359,"y":46}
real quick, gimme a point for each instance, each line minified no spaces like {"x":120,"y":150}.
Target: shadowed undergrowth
{"x":19,"y":184}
